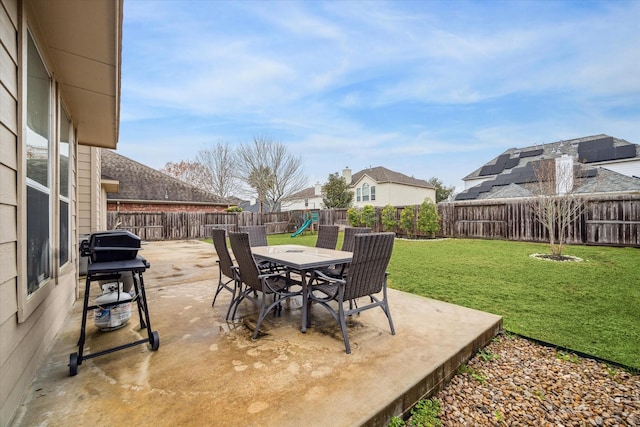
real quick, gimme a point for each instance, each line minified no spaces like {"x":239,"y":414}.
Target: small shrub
{"x":368,"y":216}
{"x":407,"y":220}
{"x":234,"y":209}
{"x":428,"y":218}
{"x":389,"y":221}
{"x":354,"y":217}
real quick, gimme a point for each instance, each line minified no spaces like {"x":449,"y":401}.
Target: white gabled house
{"x":60,"y":67}
{"x":380,"y":186}
{"x":377,"y":186}
{"x":309,"y":198}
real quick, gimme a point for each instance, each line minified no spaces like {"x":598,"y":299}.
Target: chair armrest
{"x":321,"y":275}
{"x":270,"y":276}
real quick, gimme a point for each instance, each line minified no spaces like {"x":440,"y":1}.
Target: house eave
{"x":110,"y":185}
{"x":84,"y":44}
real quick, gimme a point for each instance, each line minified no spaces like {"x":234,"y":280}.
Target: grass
{"x":591,"y":306}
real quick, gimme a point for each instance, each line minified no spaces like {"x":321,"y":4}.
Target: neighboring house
{"x":380,"y":186}
{"x":253,"y":206}
{"x":60,"y":65}
{"x":377,"y":186}
{"x":139,"y":188}
{"x":309,"y":198}
{"x":609,"y":165}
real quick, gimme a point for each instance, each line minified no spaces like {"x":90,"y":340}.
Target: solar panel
{"x":531,"y":153}
{"x":625,"y":151}
{"x":602,"y":149}
{"x":511,"y":163}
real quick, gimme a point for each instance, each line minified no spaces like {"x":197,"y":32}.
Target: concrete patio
{"x":209,"y":372}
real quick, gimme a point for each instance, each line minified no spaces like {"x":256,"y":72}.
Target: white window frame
{"x":28,"y":303}
{"x":365,"y":192}
{"x":62,"y":114}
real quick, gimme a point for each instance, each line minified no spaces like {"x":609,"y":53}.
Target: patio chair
{"x":347,"y":245}
{"x":349,"y":234}
{"x":258,"y":237}
{"x":225,"y":267}
{"x":259,"y":286}
{"x":257,"y":234}
{"x":327,"y":236}
{"x":367,"y":277}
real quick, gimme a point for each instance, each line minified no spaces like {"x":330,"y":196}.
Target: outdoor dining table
{"x":302,"y":259}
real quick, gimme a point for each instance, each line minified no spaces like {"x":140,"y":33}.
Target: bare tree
{"x":220,"y":163}
{"x":556,"y":205}
{"x":272,"y":172}
{"x":190,"y":172}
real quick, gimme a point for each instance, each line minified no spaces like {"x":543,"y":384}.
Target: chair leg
{"x":233,"y":300}
{"x":385,"y":308}
{"x":217,"y":290}
{"x":343,"y":327}
{"x":262,"y":314}
{"x":238,"y":300}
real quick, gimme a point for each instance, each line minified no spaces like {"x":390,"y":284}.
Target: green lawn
{"x":591,"y":306}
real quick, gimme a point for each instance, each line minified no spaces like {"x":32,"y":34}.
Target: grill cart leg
{"x":154,"y":338}
{"x":142,"y":304}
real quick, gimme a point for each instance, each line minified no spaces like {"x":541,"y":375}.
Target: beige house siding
{"x":8,"y":209}
{"x":28,"y":324}
{"x":92,"y":198}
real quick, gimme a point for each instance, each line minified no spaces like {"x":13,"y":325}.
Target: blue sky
{"x":425,"y":88}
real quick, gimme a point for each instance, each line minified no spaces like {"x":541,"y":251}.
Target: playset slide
{"x":306,"y":224}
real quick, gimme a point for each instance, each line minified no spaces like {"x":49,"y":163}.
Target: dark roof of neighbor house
{"x":307,"y":193}
{"x":511,"y":174}
{"x":142,"y":183}
{"x":383,"y":175}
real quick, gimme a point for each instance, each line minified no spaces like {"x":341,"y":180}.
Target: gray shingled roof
{"x":381,"y":175}
{"x":307,"y":193}
{"x":142,"y":183}
{"x":511,"y":173}
{"x":588,"y":149}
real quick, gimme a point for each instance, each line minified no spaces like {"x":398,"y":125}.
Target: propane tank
{"x":110,"y":316}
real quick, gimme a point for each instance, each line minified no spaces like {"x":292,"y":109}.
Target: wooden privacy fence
{"x":605,"y":220}
{"x":192,"y":225}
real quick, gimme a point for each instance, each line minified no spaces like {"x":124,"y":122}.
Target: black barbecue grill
{"x":111,"y":255}
{"x":116,"y":245}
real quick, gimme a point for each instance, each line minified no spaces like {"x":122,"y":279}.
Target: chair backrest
{"x":224,"y":257}
{"x":349,"y":233}
{"x":327,"y":236}
{"x":368,"y":268}
{"x":244,"y":259}
{"x":257,"y":234}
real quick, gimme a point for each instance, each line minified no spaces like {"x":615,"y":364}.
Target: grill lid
{"x":114,"y":245}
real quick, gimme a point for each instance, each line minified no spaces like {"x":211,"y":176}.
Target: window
{"x":358,"y":195}
{"x":63,"y":179}
{"x":38,"y":170}
{"x":365,"y":192}
{"x":373,"y":193}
